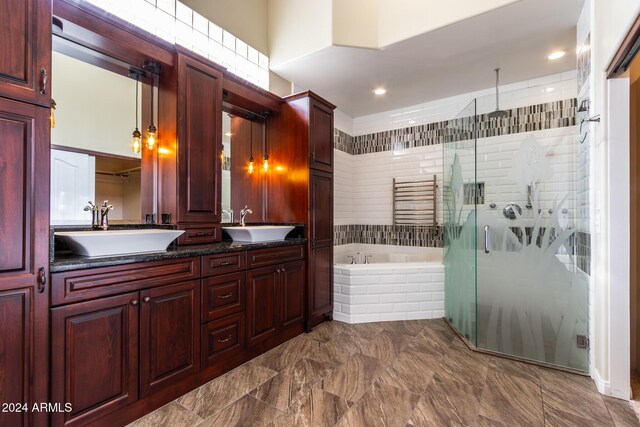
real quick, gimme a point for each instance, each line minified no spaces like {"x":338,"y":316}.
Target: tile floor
{"x":408,"y":373}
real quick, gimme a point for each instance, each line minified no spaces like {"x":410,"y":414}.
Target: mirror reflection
{"x":243,"y":181}
{"x":91,"y":136}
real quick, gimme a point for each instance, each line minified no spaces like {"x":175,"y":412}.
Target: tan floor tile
{"x":387,"y":345}
{"x":171,"y":415}
{"x":327,"y":331}
{"x":621,"y":412}
{"x":352,"y":379}
{"x":226,"y":389}
{"x":512,"y":399}
{"x":381,"y":405}
{"x":319,"y":409}
{"x":292,"y":383}
{"x":246,"y":412}
{"x":340,"y":349}
{"x":288,"y":353}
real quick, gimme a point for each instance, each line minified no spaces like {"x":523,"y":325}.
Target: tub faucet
{"x":243,"y":213}
{"x":353,"y":259}
{"x":91,"y":207}
{"x":104,"y":214}
{"x":366,"y":258}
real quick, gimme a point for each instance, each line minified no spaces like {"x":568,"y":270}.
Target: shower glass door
{"x":460,"y":234}
{"x":532,"y":300}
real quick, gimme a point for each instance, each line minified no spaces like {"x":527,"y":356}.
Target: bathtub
{"x":399,"y":283}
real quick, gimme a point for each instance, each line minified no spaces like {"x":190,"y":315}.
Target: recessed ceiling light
{"x":380,"y":91}
{"x":411,"y":122}
{"x":556,"y":55}
{"x":549,"y":89}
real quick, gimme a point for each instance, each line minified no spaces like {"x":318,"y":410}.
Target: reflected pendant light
{"x":53,"y":113}
{"x":152,"y":131}
{"x":136,"y":142}
{"x":251,"y":155}
{"x":265,"y":163}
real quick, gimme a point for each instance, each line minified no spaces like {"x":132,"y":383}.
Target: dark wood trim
{"x":248,"y":96}
{"x":309,"y":94}
{"x":105,"y":33}
{"x":634,"y":33}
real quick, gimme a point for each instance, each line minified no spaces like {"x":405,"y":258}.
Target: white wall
{"x":95,"y":108}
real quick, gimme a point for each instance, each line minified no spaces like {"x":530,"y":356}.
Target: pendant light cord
{"x":137,"y":85}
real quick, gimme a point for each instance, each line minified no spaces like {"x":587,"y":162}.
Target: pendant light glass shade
{"x":152,"y":131}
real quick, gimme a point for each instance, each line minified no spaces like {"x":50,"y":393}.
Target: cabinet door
{"x":25,"y":43}
{"x":321,"y":209}
{"x":321,"y":286}
{"x":320,"y":136}
{"x":292,"y":285}
{"x":223,"y":295}
{"x":262,"y":297}
{"x":24,"y":257}
{"x":94,"y":357}
{"x":169,"y":335}
{"x":200,"y":142}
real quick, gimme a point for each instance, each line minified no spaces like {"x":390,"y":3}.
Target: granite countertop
{"x":68,"y":261}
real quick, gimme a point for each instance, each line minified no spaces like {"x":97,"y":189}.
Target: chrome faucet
{"x":94,"y":214}
{"x":243,"y":213}
{"x":104,"y":214}
{"x":230,"y":213}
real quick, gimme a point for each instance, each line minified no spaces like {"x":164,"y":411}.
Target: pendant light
{"x":53,"y":113}
{"x":265,"y":163}
{"x":152,"y":131}
{"x":136,"y":142}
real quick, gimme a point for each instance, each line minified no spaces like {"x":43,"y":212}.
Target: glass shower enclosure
{"x":511,"y":215}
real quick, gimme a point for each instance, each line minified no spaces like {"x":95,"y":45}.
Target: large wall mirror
{"x":98,"y":104}
{"x":243,"y":138}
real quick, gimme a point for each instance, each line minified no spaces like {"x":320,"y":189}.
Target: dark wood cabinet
{"x":24,"y":256}
{"x":275,"y":299}
{"x":262,"y":307}
{"x":199,"y":141}
{"x":321,"y":282}
{"x":321,"y":212}
{"x":169,"y":335}
{"x":292,"y":293}
{"x":25,"y":43}
{"x":320,"y":246}
{"x":222,"y":339}
{"x":94,"y":357}
{"x":320,"y":135}
{"x":223,"y":295}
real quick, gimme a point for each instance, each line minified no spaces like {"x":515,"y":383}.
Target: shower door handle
{"x":487,"y":238}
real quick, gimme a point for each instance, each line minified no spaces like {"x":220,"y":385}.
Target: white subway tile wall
{"x":176,"y":23}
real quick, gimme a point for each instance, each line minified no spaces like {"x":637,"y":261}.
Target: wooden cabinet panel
{"x":24,"y":254}
{"x":262,"y":296}
{"x":222,"y":339}
{"x":223,"y":295}
{"x":94,"y":357}
{"x":199,"y":141}
{"x":223,"y":263}
{"x":321,"y":212}
{"x":16,"y":333}
{"x":200,"y":234}
{"x":169,"y":335}
{"x":262,"y":257}
{"x":81,"y":285}
{"x":25,"y":43}
{"x":321,"y":286}
{"x":320,"y":136}
{"x":292,"y":283}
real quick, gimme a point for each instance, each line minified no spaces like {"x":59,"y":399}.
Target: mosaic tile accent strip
{"x":400,"y":235}
{"x":583,"y":250}
{"x":524,"y":119}
{"x":342,"y":141}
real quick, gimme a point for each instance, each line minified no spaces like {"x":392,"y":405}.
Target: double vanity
{"x":172,"y":295}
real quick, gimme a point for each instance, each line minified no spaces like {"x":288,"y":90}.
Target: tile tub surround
{"x":408,"y":373}
{"x":388,"y":291}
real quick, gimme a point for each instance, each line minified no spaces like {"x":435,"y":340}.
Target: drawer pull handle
{"x":227,"y":339}
{"x":225,"y":263}
{"x":43,"y":81}
{"x":229,"y":295}
{"x":200,"y":234}
{"x":146,"y":299}
{"x":42,"y":279}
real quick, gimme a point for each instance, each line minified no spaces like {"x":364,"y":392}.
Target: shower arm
{"x":497,"y":70}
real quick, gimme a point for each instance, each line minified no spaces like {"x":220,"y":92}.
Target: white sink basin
{"x":258,"y":233}
{"x":118,"y":242}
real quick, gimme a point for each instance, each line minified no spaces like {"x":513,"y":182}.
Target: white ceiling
{"x":449,"y":61}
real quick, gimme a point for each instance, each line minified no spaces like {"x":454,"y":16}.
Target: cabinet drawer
{"x":222,"y":339}
{"x":223,"y":263}
{"x":82,"y":285}
{"x":199,"y":234}
{"x":262,"y":257}
{"x":223,"y":295}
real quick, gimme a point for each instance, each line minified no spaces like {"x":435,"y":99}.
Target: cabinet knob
{"x":146,"y":299}
{"x":133,"y":302}
{"x":283,"y":270}
{"x":278,"y":271}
